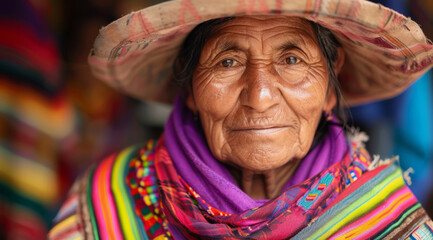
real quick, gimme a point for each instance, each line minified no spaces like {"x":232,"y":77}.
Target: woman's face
{"x":260,"y":88}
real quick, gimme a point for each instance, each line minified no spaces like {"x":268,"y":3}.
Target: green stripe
{"x":155,"y":227}
{"x":129,"y":224}
{"x":404,"y":216}
{"x":90,"y":204}
{"x":10,"y":196}
{"x":140,"y":226}
{"x":341,"y":218}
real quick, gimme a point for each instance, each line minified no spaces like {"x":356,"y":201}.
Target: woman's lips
{"x":261,"y":130}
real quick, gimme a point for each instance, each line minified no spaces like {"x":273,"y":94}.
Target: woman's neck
{"x":265,"y":184}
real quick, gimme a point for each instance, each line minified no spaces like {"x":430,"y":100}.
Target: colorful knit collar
{"x":189,"y":216}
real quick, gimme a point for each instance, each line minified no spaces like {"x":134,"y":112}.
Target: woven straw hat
{"x":385,"y":51}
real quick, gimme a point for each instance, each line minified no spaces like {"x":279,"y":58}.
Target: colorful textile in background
{"x":36,"y":121}
{"x":55,"y":118}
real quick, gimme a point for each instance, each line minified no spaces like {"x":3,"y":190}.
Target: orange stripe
{"x":358,"y":171}
{"x":373,"y":221}
{"x":398,"y":44}
{"x":102,"y":185}
{"x":308,"y":7}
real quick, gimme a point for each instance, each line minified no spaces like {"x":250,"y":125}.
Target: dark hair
{"x":328,"y":44}
{"x":189,"y":55}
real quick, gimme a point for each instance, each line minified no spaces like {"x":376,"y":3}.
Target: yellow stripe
{"x":122,"y":212}
{"x":56,"y":120}
{"x":160,"y":237}
{"x":62,"y":226}
{"x":29,"y":178}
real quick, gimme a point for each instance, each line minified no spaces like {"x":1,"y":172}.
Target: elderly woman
{"x":255,"y":146}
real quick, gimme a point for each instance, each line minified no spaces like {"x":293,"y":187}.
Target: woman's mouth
{"x":261,"y":130}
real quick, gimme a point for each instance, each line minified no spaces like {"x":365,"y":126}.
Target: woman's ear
{"x":338,"y":64}
{"x":190,"y":102}
{"x":331,"y":98}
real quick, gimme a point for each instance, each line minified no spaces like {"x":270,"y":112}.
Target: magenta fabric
{"x":193,"y":161}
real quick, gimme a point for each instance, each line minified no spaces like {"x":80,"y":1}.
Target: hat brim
{"x":385,"y":51}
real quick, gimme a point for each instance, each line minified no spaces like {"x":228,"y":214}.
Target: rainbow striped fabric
{"x":37,"y":122}
{"x":100,"y":205}
{"x":377,"y":206}
{"x":119,"y":199}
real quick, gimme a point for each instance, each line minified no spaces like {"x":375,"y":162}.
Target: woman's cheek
{"x":218,"y":99}
{"x":313,"y":90}
{"x":216,"y":102}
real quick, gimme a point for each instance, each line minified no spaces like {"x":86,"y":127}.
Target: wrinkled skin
{"x":260,"y":89}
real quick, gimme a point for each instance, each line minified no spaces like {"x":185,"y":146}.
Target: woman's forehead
{"x":266,"y":23}
{"x":274,"y":31}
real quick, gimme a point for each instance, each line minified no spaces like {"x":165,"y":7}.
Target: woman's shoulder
{"x":376,"y":204}
{"x":101,"y":202}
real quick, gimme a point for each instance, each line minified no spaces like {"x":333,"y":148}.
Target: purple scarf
{"x":194,"y":162}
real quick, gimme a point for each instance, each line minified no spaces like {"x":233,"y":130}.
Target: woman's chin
{"x":262,"y":150}
{"x":261,"y":158}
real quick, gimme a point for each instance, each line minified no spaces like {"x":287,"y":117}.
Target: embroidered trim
{"x":142,"y":182}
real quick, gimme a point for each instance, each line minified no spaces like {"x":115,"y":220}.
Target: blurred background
{"x":56,"y":119}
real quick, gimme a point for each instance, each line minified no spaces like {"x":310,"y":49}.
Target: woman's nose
{"x":260,"y":91}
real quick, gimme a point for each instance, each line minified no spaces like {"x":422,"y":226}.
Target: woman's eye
{"x":292,"y":60}
{"x":227,"y":62}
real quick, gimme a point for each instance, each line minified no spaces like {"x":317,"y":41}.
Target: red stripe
{"x":39,"y":51}
{"x":186,"y":4}
{"x":27,"y":226}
